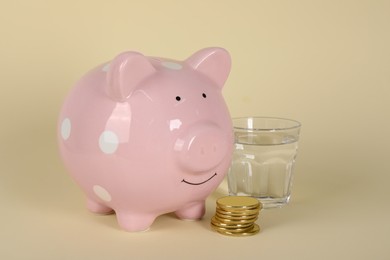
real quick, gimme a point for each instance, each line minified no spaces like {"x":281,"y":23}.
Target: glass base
{"x":267,"y":202}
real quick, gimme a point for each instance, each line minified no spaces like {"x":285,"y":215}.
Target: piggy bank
{"x":144,"y":136}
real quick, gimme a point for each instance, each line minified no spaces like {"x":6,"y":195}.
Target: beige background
{"x":324,"y":63}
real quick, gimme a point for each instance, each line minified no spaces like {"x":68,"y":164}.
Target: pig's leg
{"x":97,"y":207}
{"x":134,"y":222}
{"x":192,"y":211}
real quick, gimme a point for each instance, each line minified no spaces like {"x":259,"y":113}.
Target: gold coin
{"x":237,"y":208}
{"x":254,"y":230}
{"x":234,"y":221}
{"x":240,"y":202}
{"x":231,"y":230}
{"x":233,"y":227}
{"x":238,"y":212}
{"x":237,"y":217}
{"x":219,"y":223}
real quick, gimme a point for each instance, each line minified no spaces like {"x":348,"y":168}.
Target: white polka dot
{"x":66,"y":127}
{"x":172,"y":65}
{"x":102,"y":193}
{"x":106,"y":67}
{"x":108,"y":142}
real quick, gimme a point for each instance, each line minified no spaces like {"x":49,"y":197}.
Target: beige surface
{"x":324,"y":63}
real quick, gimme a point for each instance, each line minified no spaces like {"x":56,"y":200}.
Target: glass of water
{"x":263,"y":160}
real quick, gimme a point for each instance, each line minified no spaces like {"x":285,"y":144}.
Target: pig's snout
{"x":202,"y":148}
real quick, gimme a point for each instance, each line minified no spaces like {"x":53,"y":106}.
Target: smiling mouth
{"x":199,"y":183}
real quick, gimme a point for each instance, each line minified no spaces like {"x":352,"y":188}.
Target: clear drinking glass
{"x":263,"y":160}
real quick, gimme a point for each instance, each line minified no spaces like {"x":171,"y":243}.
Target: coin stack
{"x":236,"y":216}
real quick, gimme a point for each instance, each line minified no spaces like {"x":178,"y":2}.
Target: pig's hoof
{"x":98,"y":208}
{"x":192,"y":212}
{"x":134,"y":222}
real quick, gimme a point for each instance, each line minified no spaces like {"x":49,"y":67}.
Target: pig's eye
{"x":204,"y":95}
{"x":178,"y":98}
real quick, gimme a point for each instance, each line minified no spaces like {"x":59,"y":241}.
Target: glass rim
{"x":297,"y":123}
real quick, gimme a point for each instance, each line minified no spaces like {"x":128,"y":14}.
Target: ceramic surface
{"x":144,"y":136}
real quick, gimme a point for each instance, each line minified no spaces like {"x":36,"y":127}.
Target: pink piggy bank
{"x":144,"y":136}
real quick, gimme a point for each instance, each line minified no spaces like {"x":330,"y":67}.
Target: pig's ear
{"x":124,"y":74}
{"x":213,"y":62}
